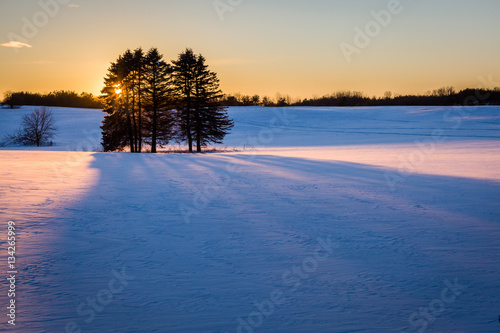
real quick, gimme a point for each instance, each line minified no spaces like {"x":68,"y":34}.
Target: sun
{"x":118,"y":89}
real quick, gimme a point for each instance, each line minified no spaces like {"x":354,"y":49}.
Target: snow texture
{"x":313,"y":220}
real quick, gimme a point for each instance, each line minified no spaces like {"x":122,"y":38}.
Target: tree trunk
{"x":198,"y":145}
{"x":129,"y":125}
{"x":198,"y":132}
{"x":140,"y":112}
{"x":188,"y":123}
{"x":198,"y":120}
{"x":153,"y":139}
{"x":188,"y":129}
{"x":134,"y":122}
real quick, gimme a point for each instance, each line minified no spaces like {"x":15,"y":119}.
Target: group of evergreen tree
{"x":151,"y":102}
{"x":60,"y":98}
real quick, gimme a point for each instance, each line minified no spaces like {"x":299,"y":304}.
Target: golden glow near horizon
{"x":258,"y":47}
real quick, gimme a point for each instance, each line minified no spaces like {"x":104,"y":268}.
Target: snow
{"x":77,"y":129}
{"x":312,"y":220}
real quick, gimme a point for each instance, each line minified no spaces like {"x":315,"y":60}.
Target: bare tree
{"x":36,"y":129}
{"x":9,"y":100}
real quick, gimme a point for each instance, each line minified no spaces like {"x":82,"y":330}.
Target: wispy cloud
{"x":16,"y":45}
{"x":72,"y":5}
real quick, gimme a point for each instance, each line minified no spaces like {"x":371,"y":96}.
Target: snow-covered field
{"x":311,"y":220}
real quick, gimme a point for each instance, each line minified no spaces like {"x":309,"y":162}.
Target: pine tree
{"x":212,"y":123}
{"x":123,"y":94}
{"x":183,"y":81}
{"x":158,"y":99}
{"x":141,"y":93}
{"x":138,"y":90}
{"x":117,"y":124}
{"x":126,"y":94}
{"x":202,"y":118}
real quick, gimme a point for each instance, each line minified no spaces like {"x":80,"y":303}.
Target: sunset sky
{"x":259,"y":46}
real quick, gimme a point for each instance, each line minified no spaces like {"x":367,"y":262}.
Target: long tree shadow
{"x":204,"y":237}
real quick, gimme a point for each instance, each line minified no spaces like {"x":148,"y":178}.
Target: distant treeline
{"x":56,"y":98}
{"x":440,"y":97}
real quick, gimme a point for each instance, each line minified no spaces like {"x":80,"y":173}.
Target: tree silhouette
{"x":137,"y":93}
{"x":212,"y":123}
{"x":37,"y":128}
{"x":147,"y":101}
{"x":202,"y":118}
{"x":159,"y":99}
{"x":117,"y":129}
{"x":183,"y":81}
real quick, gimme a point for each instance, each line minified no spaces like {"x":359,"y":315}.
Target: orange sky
{"x":292,"y":47}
